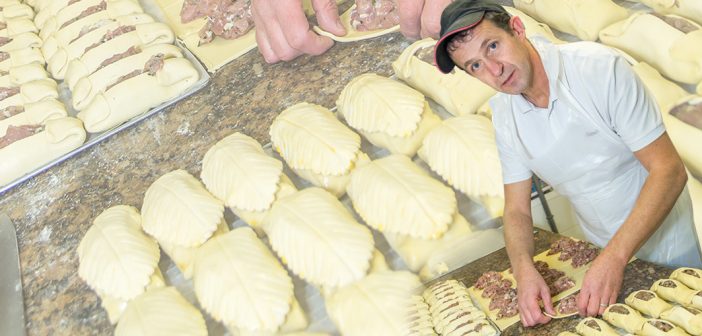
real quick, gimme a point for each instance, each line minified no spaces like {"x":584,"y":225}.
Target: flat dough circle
{"x":352,"y":34}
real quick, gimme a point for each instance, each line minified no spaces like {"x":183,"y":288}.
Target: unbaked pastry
{"x":687,"y":318}
{"x":47,"y":8}
{"x":591,"y":326}
{"x":294,"y":322}
{"x":449,"y":90}
{"x":15,"y":58}
{"x":647,"y":302}
{"x":161,"y":312}
{"x":32,"y":92}
{"x":331,"y":183}
{"x":309,"y":136}
{"x":419,"y":318}
{"x":664,"y":91}
{"x":177,"y":209}
{"x":19,"y":75}
{"x":115,"y":307}
{"x":90,"y":86}
{"x":582,"y":18}
{"x":676,"y":54}
{"x":255,"y":218}
{"x":184,"y":257}
{"x":21,"y":41}
{"x":683,"y":135}
{"x":673,"y":291}
{"x":656,"y":327}
{"x":375,"y":305}
{"x":115,"y":256}
{"x":16,"y":11}
{"x":691,"y":9}
{"x":533,"y":27}
{"x":35,"y":114}
{"x":352,"y":34}
{"x":318,"y":239}
{"x":690,"y":277}
{"x":66,"y":21}
{"x":59,"y":137}
{"x":625,"y":317}
{"x":142,"y":35}
{"x":239,"y":282}
{"x":95,"y":58}
{"x":138,"y":94}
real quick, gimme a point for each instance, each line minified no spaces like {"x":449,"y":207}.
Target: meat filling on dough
{"x":87,"y":12}
{"x":153,"y":65}
{"x":17,"y":133}
{"x":375,"y":15}
{"x":8,"y":92}
{"x":691,"y":114}
{"x":228,"y":19}
{"x":110,"y":35}
{"x":10,"y":111}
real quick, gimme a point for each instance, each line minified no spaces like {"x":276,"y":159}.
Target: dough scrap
{"x":115,"y":256}
{"x":239,"y":282}
{"x":582,"y":18}
{"x":161,"y":312}
{"x":632,"y":322}
{"x":585,"y":328}
{"x":178,"y":210}
{"x":394,"y":195}
{"x":689,"y":319}
{"x":410,"y":144}
{"x":309,"y":136}
{"x":373,"y":103}
{"x":653,"y":307}
{"x":352,"y":34}
{"x":375,"y":305}
{"x":446,"y":89}
{"x":318,"y":239}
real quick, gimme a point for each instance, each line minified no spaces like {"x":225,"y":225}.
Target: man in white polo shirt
{"x":577,"y":116}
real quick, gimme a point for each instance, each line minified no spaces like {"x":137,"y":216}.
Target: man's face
{"x":496,"y":57}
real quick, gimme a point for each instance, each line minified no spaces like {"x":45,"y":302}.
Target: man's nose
{"x":495,"y":68}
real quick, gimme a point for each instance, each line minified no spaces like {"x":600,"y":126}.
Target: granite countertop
{"x":638,"y":275}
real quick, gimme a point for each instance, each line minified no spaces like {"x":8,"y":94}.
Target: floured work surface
{"x":214,"y":54}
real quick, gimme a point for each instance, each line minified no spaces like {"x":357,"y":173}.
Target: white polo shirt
{"x":603,"y":83}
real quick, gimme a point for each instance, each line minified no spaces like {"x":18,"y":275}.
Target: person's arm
{"x":421,"y":18}
{"x":519,"y":240}
{"x":666,"y":180}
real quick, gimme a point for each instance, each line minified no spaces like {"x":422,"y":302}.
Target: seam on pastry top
{"x":109,"y":35}
{"x":116,"y":57}
{"x":85,"y":13}
{"x":152,"y":66}
{"x":89,"y":28}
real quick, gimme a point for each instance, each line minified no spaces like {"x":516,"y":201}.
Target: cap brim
{"x":442,"y":59}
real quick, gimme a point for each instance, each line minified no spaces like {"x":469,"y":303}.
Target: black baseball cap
{"x":460,"y":15}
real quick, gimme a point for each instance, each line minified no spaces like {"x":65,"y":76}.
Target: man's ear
{"x":517,"y":26}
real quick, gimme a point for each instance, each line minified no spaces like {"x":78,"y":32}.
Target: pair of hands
{"x":283,"y":33}
{"x":600,"y":287}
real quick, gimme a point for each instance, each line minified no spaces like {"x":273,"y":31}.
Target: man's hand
{"x":601,"y":284}
{"x":283,"y":33}
{"x":531,"y":288}
{"x":421,"y":18}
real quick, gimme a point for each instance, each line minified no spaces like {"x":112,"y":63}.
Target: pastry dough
{"x":664,"y":91}
{"x":691,"y":9}
{"x":582,"y":18}
{"x":652,"y":307}
{"x":144,"y":35}
{"x":333,"y":184}
{"x":90,"y":86}
{"x":294,"y":321}
{"x":373,"y":103}
{"x":32,"y":92}
{"x":138,"y":94}
{"x":59,"y":137}
{"x":684,"y":135}
{"x":591,"y":326}
{"x":184,"y":257}
{"x":91,"y":61}
{"x":649,"y":329}
{"x":113,"y":9}
{"x":534,"y":27}
{"x":46,"y":9}
{"x":673,"y":291}
{"x":178,"y":210}
{"x":115,"y":307}
{"x":625,"y":317}
{"x":21,"y":41}
{"x":19,"y":75}
{"x":394,"y":195}
{"x":419,"y":318}
{"x":689,"y":319}
{"x":239,"y":282}
{"x":115,"y":257}
{"x":161,"y":312}
{"x":676,"y":54}
{"x":17,"y":11}
{"x":449,"y":90}
{"x":35,"y":114}
{"x":255,"y":218}
{"x":20,"y":57}
{"x":310,"y":137}
{"x":352,"y":34}
{"x":318,"y":239}
{"x":690,"y":277}
{"x":410,"y":144}
{"x":376,"y":305}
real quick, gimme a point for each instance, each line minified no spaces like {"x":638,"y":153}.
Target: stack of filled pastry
{"x":116,"y":61}
{"x":452,"y":311}
{"x":34,"y":127}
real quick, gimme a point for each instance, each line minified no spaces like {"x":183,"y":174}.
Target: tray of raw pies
{"x":73,"y":73}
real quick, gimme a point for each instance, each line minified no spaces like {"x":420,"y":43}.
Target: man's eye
{"x":475,"y":66}
{"x":492,"y":46}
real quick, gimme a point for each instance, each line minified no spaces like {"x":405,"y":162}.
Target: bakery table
{"x":638,"y":274}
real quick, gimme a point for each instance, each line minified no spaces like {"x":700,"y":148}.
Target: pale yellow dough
{"x":35,"y":114}
{"x":678,"y":294}
{"x":685,"y":136}
{"x":331,"y":183}
{"x":23,"y":74}
{"x":692,"y":281}
{"x":582,"y":18}
{"x":689,"y":319}
{"x":631,"y":322}
{"x":585,"y":330}
{"x":649,"y":330}
{"x":161,"y":312}
{"x":21,"y":57}
{"x":691,"y":9}
{"x":653,"y":307}
{"x":114,"y":8}
{"x":184,"y":257}
{"x":59,"y":137}
{"x":115,"y":307}
{"x":16,"y":11}
{"x":352,"y":34}
{"x":294,"y":322}
{"x":420,"y":318}
{"x":22,"y":41}
{"x":32,"y":92}
{"x":138,"y":94}
{"x":255,"y":218}
{"x":534,"y":27}
{"x":393,"y":194}
{"x":446,"y":89}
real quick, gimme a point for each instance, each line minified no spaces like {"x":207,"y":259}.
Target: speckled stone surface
{"x":638,"y":274}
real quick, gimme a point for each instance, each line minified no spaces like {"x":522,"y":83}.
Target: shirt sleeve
{"x":633,"y":112}
{"x":513,"y":169}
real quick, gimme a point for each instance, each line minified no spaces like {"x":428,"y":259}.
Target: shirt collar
{"x":552,"y":64}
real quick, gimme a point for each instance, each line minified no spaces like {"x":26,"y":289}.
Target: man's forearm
{"x":519,"y":239}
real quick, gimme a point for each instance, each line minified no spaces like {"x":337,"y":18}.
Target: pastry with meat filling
{"x":591,"y":326}
{"x":656,"y":327}
{"x":647,"y":302}
{"x":625,"y":317}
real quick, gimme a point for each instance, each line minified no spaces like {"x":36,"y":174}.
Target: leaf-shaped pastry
{"x":318,"y":238}
{"x":238,"y":171}
{"x":161,"y":312}
{"x":410,"y":144}
{"x":376,"y":305}
{"x":240,"y":283}
{"x":374,"y":103}
{"x":463,"y":151}
{"x":393,"y":194}
{"x":179,"y":210}
{"x":116,"y":257}
{"x":310,"y":137}
{"x":115,"y":306}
